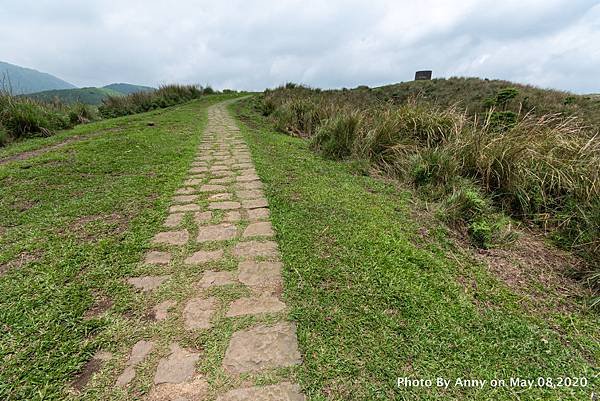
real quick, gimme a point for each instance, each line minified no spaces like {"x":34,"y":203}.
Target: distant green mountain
{"x":22,"y":80}
{"x":92,"y":96}
{"x":127,"y":89}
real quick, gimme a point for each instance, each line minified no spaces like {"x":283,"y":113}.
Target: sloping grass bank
{"x":375,"y":301}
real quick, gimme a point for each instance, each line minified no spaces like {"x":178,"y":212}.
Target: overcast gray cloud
{"x":335,"y":43}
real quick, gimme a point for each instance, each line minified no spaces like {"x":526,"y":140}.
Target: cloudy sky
{"x":247,"y":44}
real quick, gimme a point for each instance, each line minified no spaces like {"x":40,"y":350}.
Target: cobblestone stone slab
{"x":254,"y":203}
{"x":258,"y":214}
{"x":276,"y":392}
{"x":212,"y":188}
{"x":226,"y":205}
{"x":158,"y":258}
{"x":174,"y":220}
{"x":255,"y":306}
{"x":194,"y":390}
{"x":218,"y":232}
{"x":253,"y":249}
{"x":202,"y":217}
{"x":204,"y":257}
{"x":193,"y":181}
{"x":262,"y":347}
{"x":260,"y":229}
{"x":185,"y":198}
{"x":248,"y":185}
{"x":161,"y":311}
{"x":198,"y":313}
{"x":138,"y":353}
{"x":172,"y":238}
{"x":220,"y":197}
{"x":250,"y":194}
{"x":184,"y":208}
{"x":232,"y":216}
{"x":256,"y":274}
{"x":215,"y":279}
{"x":178,"y":367}
{"x":186,"y":191}
{"x":147,"y":283}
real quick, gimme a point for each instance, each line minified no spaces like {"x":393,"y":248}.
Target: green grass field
{"x":73,"y":223}
{"x":373,"y":299}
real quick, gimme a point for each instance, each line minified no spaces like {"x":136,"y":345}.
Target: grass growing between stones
{"x":375,"y":301}
{"x":74,"y":222}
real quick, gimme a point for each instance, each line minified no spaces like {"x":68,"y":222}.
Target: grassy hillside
{"x":20,"y":80}
{"x":479,"y":167}
{"x":92,"y":96}
{"x":128,"y":89}
{"x":380,"y":290}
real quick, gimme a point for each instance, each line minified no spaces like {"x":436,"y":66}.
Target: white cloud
{"x":256,"y":44}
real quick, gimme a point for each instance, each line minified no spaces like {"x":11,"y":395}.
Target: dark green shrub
{"x":505,"y":95}
{"x":502,"y":120}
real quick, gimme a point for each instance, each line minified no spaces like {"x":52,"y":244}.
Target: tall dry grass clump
{"x":139,"y":102}
{"x":21,"y":117}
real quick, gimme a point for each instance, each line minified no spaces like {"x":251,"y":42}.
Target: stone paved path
{"x":222,"y":195}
